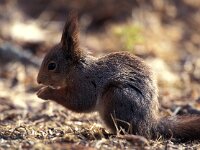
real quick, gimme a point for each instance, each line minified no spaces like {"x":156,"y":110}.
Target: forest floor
{"x":167,"y":40}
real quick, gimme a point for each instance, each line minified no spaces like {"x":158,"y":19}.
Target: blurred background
{"x":165,"y":33}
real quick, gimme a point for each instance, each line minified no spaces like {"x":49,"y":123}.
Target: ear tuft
{"x":70,"y":39}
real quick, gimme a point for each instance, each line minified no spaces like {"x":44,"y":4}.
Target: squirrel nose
{"x":39,"y":81}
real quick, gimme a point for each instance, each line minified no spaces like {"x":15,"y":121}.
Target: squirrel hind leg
{"x":112,"y":113}
{"x":122,"y":109}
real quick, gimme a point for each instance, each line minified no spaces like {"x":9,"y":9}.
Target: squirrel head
{"x":61,"y":58}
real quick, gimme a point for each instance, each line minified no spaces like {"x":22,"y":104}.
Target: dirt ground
{"x":164,"y":33}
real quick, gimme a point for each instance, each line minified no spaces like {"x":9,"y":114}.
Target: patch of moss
{"x":129,"y":35}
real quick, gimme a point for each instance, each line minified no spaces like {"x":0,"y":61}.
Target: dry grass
{"x":49,"y":126}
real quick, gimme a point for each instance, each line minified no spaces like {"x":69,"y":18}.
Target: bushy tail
{"x":183,"y":128}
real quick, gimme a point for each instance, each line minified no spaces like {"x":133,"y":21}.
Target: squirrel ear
{"x":70,"y":39}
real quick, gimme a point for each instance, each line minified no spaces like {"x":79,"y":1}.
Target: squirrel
{"x":121,"y":87}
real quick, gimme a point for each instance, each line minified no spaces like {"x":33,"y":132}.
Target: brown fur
{"x":70,"y":39}
{"x":121,"y":87}
{"x":183,"y":128}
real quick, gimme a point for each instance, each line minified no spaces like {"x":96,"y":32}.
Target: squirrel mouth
{"x":52,"y":87}
{"x":55,"y":87}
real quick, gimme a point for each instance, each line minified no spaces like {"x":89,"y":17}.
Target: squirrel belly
{"x":120,"y":86}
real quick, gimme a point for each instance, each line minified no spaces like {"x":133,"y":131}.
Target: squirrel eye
{"x":52,"y":66}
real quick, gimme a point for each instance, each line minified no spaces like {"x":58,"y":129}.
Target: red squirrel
{"x":119,"y":86}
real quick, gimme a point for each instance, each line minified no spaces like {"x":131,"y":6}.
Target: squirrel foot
{"x":45,"y":93}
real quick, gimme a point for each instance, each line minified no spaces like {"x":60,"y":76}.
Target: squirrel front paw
{"x":45,"y":93}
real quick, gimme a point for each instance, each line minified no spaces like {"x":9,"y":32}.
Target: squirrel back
{"x":120,"y":86}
